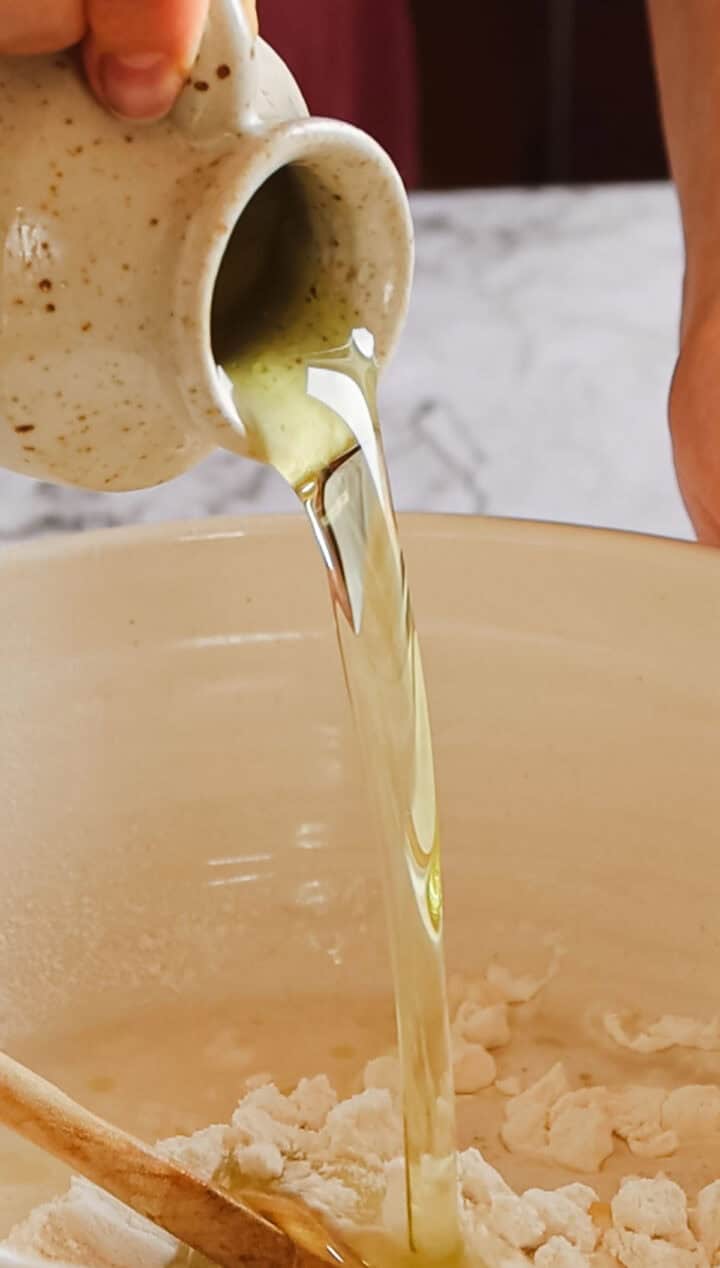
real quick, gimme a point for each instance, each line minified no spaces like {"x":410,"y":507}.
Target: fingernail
{"x":141,"y":85}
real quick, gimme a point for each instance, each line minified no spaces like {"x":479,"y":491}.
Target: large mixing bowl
{"x":190,"y":887}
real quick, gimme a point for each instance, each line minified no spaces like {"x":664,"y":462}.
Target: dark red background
{"x":482,"y":92}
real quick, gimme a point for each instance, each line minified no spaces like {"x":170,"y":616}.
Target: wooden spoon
{"x":265,"y":1230}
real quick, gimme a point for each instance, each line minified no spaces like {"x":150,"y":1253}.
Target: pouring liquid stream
{"x":348,"y":503}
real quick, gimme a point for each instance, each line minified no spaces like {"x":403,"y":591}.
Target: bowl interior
{"x":190,"y":885}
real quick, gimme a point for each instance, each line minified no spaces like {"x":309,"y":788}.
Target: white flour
{"x":344,"y":1157}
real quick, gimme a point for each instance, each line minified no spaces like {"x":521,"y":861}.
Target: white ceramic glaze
{"x":112,"y":236}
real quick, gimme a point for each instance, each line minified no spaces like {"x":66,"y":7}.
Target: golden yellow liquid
{"x":354,"y":526}
{"x":352,"y":518}
{"x":315,"y":417}
{"x":304,"y":379}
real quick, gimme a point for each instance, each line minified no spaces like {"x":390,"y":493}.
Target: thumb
{"x":138,"y":52}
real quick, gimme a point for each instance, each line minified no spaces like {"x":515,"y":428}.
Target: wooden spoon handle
{"x":199,"y":1215}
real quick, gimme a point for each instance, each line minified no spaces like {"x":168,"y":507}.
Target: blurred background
{"x":531,"y":379}
{"x":503,"y":92}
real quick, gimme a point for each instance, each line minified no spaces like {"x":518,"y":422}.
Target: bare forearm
{"x":686,"y":39}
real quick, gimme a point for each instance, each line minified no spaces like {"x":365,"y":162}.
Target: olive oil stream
{"x":351,"y":514}
{"x":303,"y":372}
{"x":349,"y":508}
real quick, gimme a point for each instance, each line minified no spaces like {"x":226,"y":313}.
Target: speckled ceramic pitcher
{"x":132,"y":253}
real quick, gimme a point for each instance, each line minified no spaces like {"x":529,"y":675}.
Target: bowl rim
{"x":642,"y":548}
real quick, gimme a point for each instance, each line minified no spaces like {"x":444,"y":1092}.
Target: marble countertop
{"x":531,"y":380}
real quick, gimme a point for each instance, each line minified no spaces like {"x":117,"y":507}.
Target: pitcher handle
{"x":219,"y":98}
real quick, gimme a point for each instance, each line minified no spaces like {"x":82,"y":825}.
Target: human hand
{"x":686,"y":40}
{"x":137,"y":53}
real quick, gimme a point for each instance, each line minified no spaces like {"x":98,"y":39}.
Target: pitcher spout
{"x":300,"y":240}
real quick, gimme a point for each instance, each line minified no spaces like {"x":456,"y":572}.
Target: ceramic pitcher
{"x":157,"y":278}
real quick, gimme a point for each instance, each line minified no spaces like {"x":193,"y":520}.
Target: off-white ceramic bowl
{"x":185,"y":834}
